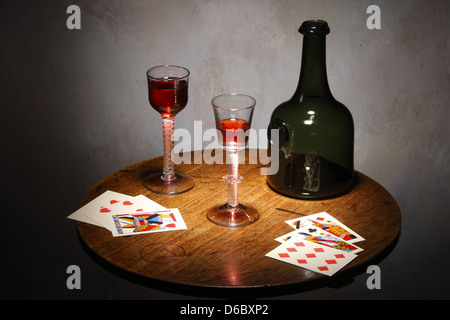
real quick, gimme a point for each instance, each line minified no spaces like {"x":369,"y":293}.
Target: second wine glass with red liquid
{"x":168,"y":94}
{"x":233,"y":113}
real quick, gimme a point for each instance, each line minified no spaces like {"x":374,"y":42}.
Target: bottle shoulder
{"x":295,"y":109}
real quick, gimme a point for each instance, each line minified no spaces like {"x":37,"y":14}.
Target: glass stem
{"x":233,"y":178}
{"x":168,"y":166}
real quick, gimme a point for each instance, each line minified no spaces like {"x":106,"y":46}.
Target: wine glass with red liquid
{"x":168,"y":94}
{"x":233,"y":113}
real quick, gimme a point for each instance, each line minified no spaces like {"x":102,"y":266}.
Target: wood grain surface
{"x":210,"y":255}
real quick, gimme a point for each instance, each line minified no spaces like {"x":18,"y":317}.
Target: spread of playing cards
{"x":319,"y":243}
{"x":126,"y":215}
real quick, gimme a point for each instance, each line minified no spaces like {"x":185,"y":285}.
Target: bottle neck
{"x":313,"y":82}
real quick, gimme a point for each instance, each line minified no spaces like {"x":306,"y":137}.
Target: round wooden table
{"x":209,"y":256}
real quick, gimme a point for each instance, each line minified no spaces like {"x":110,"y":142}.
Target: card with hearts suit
{"x":112,"y":203}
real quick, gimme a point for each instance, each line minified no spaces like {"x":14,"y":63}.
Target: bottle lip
{"x":314,"y":27}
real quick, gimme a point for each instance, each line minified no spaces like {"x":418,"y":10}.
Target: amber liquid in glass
{"x":234,"y":132}
{"x":168,"y":97}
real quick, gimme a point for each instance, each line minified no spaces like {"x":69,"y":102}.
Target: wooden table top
{"x":209,"y":255}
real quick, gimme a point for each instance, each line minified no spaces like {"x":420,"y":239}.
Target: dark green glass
{"x":316,"y":132}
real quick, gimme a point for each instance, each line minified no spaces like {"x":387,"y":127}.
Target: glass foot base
{"x":180,"y":184}
{"x":227,"y":216}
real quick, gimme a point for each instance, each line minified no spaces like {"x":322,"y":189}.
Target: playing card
{"x":88,"y":212}
{"x":311,"y":256}
{"x":110,"y":203}
{"x":327,"y":223}
{"x":146,"y":222}
{"x":321,"y":237}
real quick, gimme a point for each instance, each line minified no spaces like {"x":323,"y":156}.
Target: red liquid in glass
{"x":230,"y":136}
{"x":168,"y":97}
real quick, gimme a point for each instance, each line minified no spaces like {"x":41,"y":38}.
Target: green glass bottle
{"x":316,"y":132}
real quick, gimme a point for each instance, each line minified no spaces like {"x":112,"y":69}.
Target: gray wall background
{"x":75,"y":110}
